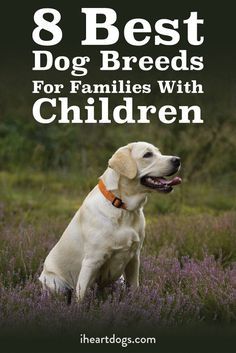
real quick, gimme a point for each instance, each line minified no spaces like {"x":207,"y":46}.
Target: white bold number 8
{"x":50,"y":26}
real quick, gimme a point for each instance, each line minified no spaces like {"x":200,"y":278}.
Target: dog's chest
{"x":124,"y":246}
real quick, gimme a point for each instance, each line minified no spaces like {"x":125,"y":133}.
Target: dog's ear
{"x":123,"y":163}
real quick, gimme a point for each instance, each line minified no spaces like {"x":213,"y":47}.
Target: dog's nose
{"x":175,"y":161}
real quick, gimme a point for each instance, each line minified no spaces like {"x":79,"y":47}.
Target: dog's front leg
{"x":86,"y":277}
{"x":132,"y":271}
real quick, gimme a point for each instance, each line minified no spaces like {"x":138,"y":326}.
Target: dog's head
{"x":144,"y":164}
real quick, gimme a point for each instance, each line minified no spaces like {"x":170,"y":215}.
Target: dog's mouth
{"x":160,"y":183}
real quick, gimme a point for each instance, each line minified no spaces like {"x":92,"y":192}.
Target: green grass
{"x":38,"y":195}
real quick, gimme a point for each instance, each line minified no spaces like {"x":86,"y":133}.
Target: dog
{"x":104,"y":239}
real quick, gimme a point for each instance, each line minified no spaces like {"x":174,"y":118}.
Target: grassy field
{"x":188,"y":268}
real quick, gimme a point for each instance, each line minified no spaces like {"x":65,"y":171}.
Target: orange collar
{"x":116,"y":202}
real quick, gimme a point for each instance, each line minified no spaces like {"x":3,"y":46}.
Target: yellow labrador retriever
{"x":104,"y":239}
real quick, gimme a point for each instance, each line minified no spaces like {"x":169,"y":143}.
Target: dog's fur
{"x":103,"y":242}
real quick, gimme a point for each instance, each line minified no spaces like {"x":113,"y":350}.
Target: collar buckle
{"x":117,"y":202}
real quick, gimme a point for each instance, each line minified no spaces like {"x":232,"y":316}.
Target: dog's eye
{"x":148,"y":155}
